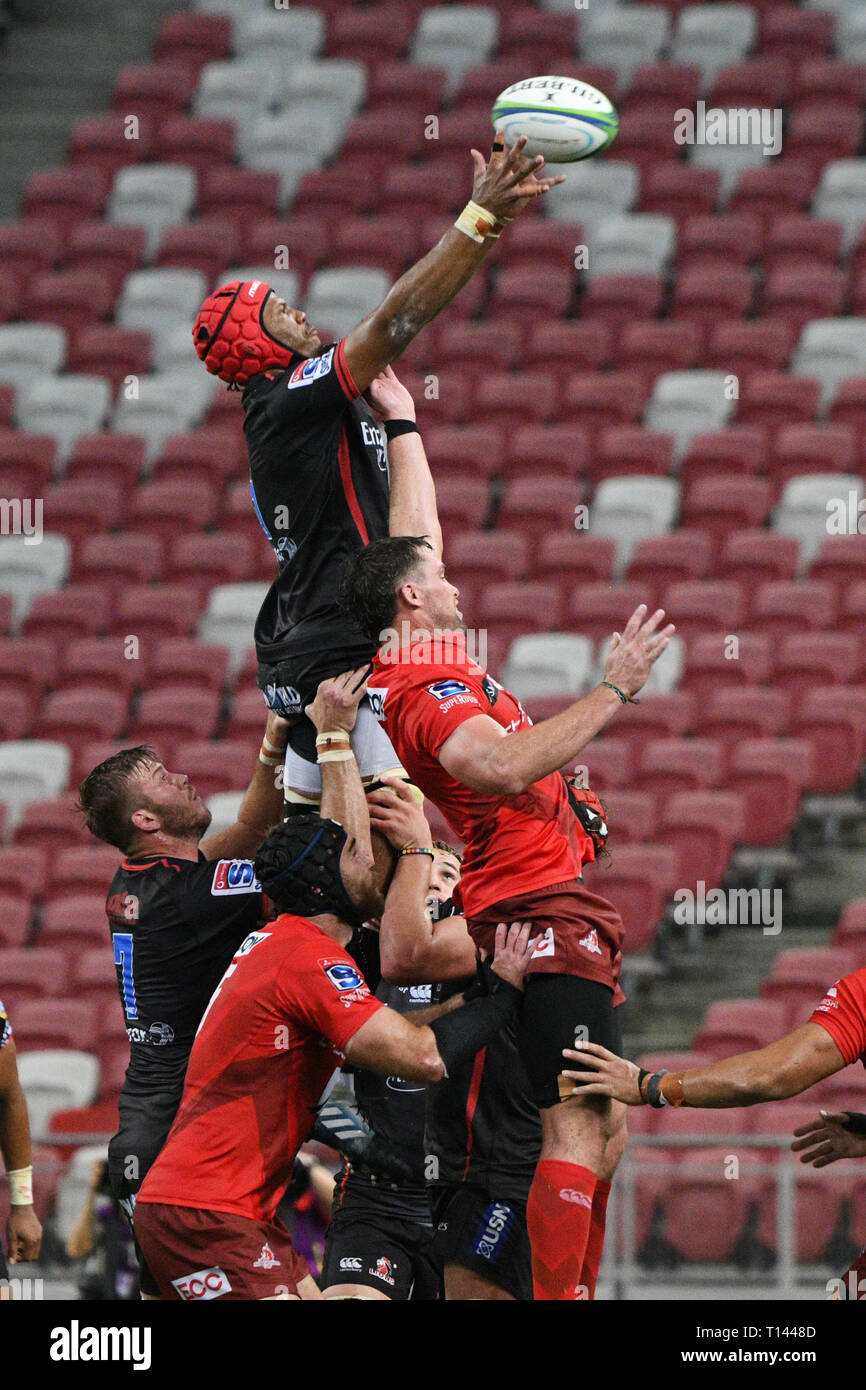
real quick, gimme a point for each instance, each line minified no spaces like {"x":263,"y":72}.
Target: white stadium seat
{"x":31,"y":770}
{"x":729,"y":161}
{"x":160,"y":300}
{"x":803,"y":509}
{"x":153,"y":196}
{"x":231,"y":613}
{"x":641,"y":243}
{"x":338,"y":81}
{"x":841,"y":195}
{"x":175,"y":348}
{"x":27,"y":570}
{"x":56,"y":1079}
{"x":238,"y":91}
{"x":831,"y":350}
{"x":65,"y":406}
{"x":30,"y":350}
{"x":338,"y":299}
{"x":850,"y":32}
{"x":455,"y":37}
{"x":548,"y":663}
{"x":593,"y":191}
{"x":298,"y":32}
{"x":688,"y":403}
{"x":167,"y":402}
{"x":627,"y":509}
{"x":623,"y":36}
{"x":224,"y":808}
{"x":712,"y":36}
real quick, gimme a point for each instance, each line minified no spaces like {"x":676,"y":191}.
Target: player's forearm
{"x":413,"y":510}
{"x":343,"y":800}
{"x":405,"y":929}
{"x":261,"y":808}
{"x":15,"y":1145}
{"x":520,"y":759}
{"x":748,"y":1079}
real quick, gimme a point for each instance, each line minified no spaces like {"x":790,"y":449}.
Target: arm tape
{"x":462,"y":1033}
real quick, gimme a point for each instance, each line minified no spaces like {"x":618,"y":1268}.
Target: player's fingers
{"x":648,"y":628}
{"x":591,"y":1087}
{"x":499,"y":940}
{"x":595,"y":1049}
{"x":634,"y":622}
{"x":840,"y":1118}
{"x":583,"y":1059}
{"x":480,"y":163}
{"x":810,"y":1127}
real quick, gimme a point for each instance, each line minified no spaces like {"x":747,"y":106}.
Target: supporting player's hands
{"x":633,"y":652}
{"x":825,"y":1140}
{"x":603,"y":1073}
{"x":507,"y":181}
{"x":512,"y":952}
{"x":389,"y":397}
{"x":277,"y":730}
{"x":23,"y":1235}
{"x":397,"y":814}
{"x":337,"y":700}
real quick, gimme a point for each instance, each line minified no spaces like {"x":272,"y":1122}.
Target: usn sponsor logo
{"x":77,"y":1343}
{"x":579,"y":1199}
{"x":203,"y":1285}
{"x":311,"y":370}
{"x":496,"y":1222}
{"x":234,"y":876}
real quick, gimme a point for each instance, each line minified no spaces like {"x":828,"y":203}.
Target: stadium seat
{"x":850,"y":931}
{"x":702,"y":828}
{"x":726,"y":660}
{"x":510,"y":608}
{"x":76,"y":611}
{"x":154,"y":90}
{"x":50,"y":825}
{"x":573,"y":556}
{"x":86,"y":869}
{"x":69,"y":298}
{"x":707,"y":1214}
{"x":78,"y":507}
{"x":66,"y":407}
{"x":756,"y":82}
{"x":53,"y":1079}
{"x":672,"y":765}
{"x":639,"y":243}
{"x":30,"y":769}
{"x":27,"y":569}
{"x":625,"y":37}
{"x":606,"y":764}
{"x":829,"y":351}
{"x":217,"y":765}
{"x":721,"y":505}
{"x":637,"y":880}
{"x":30,"y":350}
{"x":630,"y":508}
{"x":121,"y":558}
{"x":290,"y":36}
{"x":152,"y":612}
{"x":153,"y":196}
{"x":731,"y":1026}
{"x":806,"y":506}
{"x":662,"y":560}
{"x":833,"y":720}
{"x":119,"y":457}
{"x":594,"y":190}
{"x":547,"y":663}
{"x":840,"y":561}
{"x":730,"y":714}
{"x":614,"y":300}
{"x":30,"y":245}
{"x":15,"y":916}
{"x":770,"y":774}
{"x":630,"y":816}
{"x":597,"y":608}
{"x":110,"y":141}
{"x":841,"y":195}
{"x":687,"y":403}
{"x":712,"y":36}
{"x":455,"y":38}
{"x":165,"y":403}
{"x":729,"y":238}
{"x":24,"y":871}
{"x":55,"y":1023}
{"x":753,"y":556}
{"x":230,"y":616}
{"x":30,"y":975}
{"x":783,"y":606}
{"x":799,"y":978}
{"x":203,"y":666}
{"x":681,"y":191}
{"x":809,"y":659}
{"x":193,"y":38}
{"x":66,"y":196}
{"x":113,"y":353}
{"x":162,"y":509}
{"x":339,"y":299}
{"x":655,"y":347}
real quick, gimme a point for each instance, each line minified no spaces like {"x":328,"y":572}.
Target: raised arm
{"x":413,"y":510}
{"x":262,"y":805}
{"x":483,"y":756}
{"x":23,"y":1231}
{"x":503,"y":186}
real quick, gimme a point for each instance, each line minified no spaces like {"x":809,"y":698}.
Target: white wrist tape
{"x":21,"y":1187}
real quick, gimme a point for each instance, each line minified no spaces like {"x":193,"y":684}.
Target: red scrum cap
{"x":230,"y":337}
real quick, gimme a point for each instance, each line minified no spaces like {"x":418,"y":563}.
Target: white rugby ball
{"x":564,"y":118}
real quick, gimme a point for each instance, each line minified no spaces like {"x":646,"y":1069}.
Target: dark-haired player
{"x":23,"y":1230}
{"x":468,"y":744}
{"x":178,"y":907}
{"x":318,"y":463}
{"x":833,"y":1038}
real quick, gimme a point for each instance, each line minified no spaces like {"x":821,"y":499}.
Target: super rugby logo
{"x":311,"y":370}
{"x":347,"y":981}
{"x":234,"y":876}
{"x":451,"y":692}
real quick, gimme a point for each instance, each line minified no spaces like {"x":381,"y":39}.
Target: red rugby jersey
{"x":514,"y":844}
{"x":842,"y":1012}
{"x":266,"y":1048}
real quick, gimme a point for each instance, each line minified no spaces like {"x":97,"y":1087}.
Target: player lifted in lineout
{"x":318,"y":462}
{"x":289,"y":1004}
{"x":468,"y":744}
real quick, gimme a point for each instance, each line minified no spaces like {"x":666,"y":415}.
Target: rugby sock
{"x":558,"y":1216}
{"x":595,"y":1244}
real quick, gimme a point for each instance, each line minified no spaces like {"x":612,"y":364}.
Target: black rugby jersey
{"x":175,"y":925}
{"x":482,"y":1125}
{"x":394,"y":1109}
{"x":319,"y":484}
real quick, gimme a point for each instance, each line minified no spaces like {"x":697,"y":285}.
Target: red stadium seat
{"x":720,"y":505}
{"x":840,"y":560}
{"x":662,"y":560}
{"x":218,"y":765}
{"x":795,"y":240}
{"x":436,"y":185}
{"x":738,"y":449}
{"x":834,"y":722}
{"x":95,"y":977}
{"x":616,"y":300}
{"x":29,"y":974}
{"x":771,"y":774}
{"x":7,"y":405}
{"x":512,"y":608}
{"x":23,"y":871}
{"x":654,"y":717}
{"x":51,"y":825}
{"x":205,"y":561}
{"x":156,"y":611}
{"x":535,"y":239}
{"x":775,"y":399}
{"x":120,"y":559}
{"x":154,"y":91}
{"x":446,"y":398}
{"x":391,"y":81}
{"x":731,"y":714}
{"x":704,"y":296}
{"x":645,"y":138}
{"x":28,"y":461}
{"x":388,"y":241}
{"x":212,"y":454}
{"x":115,"y":353}
{"x":473,"y":449}
{"x":92,"y":661}
{"x":728,"y":238}
{"x":16,"y":712}
{"x":763,"y":81}
{"x":78,"y":508}
{"x":55,"y":1023}
{"x":567,"y":345}
{"x":574,"y":556}
{"x":193,"y":39}
{"x":703,"y":828}
{"x":12,"y":289}
{"x":601,"y":400}
{"x":113,"y":1062}
{"x":679,"y":190}
{"x":672,"y":765}
{"x":466,"y":345}
{"x":26,"y":665}
{"x":162,"y":508}
{"x":118,"y":457}
{"x":106,"y":141}
{"x":512,"y":399}
{"x":77,"y":611}
{"x":752,"y":557}
{"x":630,"y":816}
{"x":246,"y":721}
{"x":637,"y":880}
{"x":793,"y":35}
{"x":463,"y":502}
{"x":779,"y":187}
{"x":801,"y":293}
{"x":175,"y":712}
{"x":608,"y":763}
{"x":66,"y":196}
{"x":83,"y":869}
{"x":598,"y":609}
{"x":200,"y":144}
{"x":629,"y":449}
{"x":70,"y":298}
{"x":784,"y":606}
{"x":820,"y":1206}
{"x":654,"y":347}
{"x":801,"y":975}
{"x":530,"y":289}
{"x":244,"y":195}
{"x":78,"y":716}
{"x":728,"y":660}
{"x":114,"y":251}
{"x":819,"y":78}
{"x":206,"y":245}
{"x":707,"y":1213}
{"x":201,"y":665}
{"x":732,"y":1026}
{"x":550,"y":449}
{"x":702,"y":606}
{"x":809,"y":659}
{"x":14,"y":922}
{"x":757,"y":345}
{"x":30,"y":245}
{"x":531,"y":35}
{"x":86,"y":1124}
{"x":802,"y":449}
{"x":386,"y":28}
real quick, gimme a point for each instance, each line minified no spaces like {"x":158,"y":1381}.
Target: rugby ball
{"x":564,"y":118}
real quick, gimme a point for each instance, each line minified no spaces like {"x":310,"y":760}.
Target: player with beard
{"x":469,"y":746}
{"x":318,"y":464}
{"x":178,"y":907}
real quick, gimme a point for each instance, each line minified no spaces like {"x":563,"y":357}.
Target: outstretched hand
{"x":507,"y":181}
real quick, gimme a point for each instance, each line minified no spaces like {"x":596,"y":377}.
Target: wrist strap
{"x":626,"y":699}
{"x":270,"y":762}
{"x":332,"y":736}
{"x":335,"y":755}
{"x":653,"y":1091}
{"x":21,"y":1187}
{"x":415,"y":849}
{"x":394,"y":428}
{"x":642,"y":1075}
{"x":479,"y":224}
